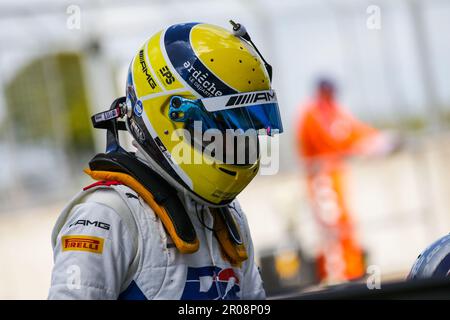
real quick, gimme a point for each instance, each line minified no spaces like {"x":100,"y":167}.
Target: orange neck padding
{"x":235,"y":253}
{"x":160,"y":211}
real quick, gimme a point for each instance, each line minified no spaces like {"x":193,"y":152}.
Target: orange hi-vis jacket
{"x":326,"y":129}
{"x":326,"y":134}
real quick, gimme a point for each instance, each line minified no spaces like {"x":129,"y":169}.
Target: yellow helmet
{"x":196,"y":73}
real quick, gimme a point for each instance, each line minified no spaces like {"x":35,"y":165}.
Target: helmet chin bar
{"x":109,"y":120}
{"x":186,"y":192}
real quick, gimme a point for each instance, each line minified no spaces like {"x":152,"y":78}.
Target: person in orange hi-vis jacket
{"x":326,"y":135}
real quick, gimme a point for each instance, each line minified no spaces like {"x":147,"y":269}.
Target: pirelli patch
{"x":82,"y":243}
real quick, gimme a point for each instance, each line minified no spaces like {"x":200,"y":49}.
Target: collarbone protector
{"x":125,"y":168}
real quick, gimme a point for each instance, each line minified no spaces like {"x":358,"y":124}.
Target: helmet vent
{"x":231,"y":173}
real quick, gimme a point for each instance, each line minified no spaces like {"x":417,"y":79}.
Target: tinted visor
{"x":250,"y":110}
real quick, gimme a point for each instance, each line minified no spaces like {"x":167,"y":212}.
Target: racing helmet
{"x":192,"y":79}
{"x":434,"y":261}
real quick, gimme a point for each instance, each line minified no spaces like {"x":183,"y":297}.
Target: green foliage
{"x":47,"y":102}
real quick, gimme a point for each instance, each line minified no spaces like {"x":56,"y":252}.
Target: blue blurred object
{"x":434,"y":262}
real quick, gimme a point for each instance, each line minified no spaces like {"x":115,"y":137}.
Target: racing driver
{"x":162,"y":221}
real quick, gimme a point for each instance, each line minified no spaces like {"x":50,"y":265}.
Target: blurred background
{"x":61,"y":61}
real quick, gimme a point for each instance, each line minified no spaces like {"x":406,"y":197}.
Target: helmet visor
{"x":250,"y":110}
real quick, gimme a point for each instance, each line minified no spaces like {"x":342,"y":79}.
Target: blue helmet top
{"x":434,"y":261}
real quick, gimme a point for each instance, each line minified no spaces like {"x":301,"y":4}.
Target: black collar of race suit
{"x":164,"y":194}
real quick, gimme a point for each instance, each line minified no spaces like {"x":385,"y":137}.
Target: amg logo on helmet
{"x":148,"y":76}
{"x":251,"y":98}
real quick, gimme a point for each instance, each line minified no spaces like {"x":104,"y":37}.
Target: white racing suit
{"x":109,"y":244}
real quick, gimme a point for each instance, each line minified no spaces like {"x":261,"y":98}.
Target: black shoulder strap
{"x":164,"y":194}
{"x":232,"y":228}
